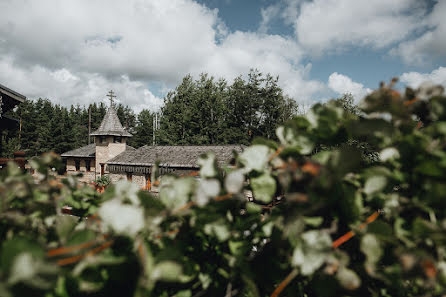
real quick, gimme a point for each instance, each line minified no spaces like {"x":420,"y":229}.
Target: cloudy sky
{"x":74,"y":51}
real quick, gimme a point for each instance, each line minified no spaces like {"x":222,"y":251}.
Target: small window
{"x":77,"y":163}
{"x":129,"y":176}
{"x":87,"y":165}
{"x":117,"y":139}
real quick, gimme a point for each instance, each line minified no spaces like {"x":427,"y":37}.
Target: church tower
{"x":110,"y":138}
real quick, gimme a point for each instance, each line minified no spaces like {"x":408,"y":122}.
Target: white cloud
{"x":343,"y":84}
{"x":273,"y":54}
{"x":268,"y":14}
{"x":87,"y":47}
{"x":64,"y":87}
{"x":414,"y":79}
{"x":431,"y":44}
{"x":335,"y":24}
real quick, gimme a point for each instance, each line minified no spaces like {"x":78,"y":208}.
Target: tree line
{"x":197,"y":112}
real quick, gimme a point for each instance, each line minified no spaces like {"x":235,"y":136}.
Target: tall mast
{"x":89,"y":123}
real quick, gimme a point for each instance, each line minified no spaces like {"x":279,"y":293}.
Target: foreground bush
{"x":323,"y":222}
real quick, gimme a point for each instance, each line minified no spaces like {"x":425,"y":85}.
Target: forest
{"x":197,"y":112}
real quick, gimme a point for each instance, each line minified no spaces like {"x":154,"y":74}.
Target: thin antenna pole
{"x":89,"y":123}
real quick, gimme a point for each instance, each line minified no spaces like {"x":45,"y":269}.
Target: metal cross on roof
{"x":111,"y":95}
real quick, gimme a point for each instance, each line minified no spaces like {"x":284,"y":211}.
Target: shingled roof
{"x":85,"y":152}
{"x":173,"y":156}
{"x":111,"y":125}
{"x":89,"y":151}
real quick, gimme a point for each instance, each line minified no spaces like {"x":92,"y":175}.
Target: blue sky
{"x":366,"y":65}
{"x":142,"y":48}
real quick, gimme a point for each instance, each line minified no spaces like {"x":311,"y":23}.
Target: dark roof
{"x":85,"y":151}
{"x":10,"y":99}
{"x":111,"y":125}
{"x":174,"y":156}
{"x":12,"y":93}
{"x":90,"y":151}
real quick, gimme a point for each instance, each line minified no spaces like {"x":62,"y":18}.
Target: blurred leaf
{"x":255,"y":157}
{"x":65,"y":224}
{"x":207,"y":165}
{"x":207,"y":189}
{"x":312,"y":251}
{"x":313,"y":221}
{"x":167,"y":271}
{"x":371,"y":247}
{"x":375,"y":184}
{"x":218,"y":229}
{"x":263,"y":187}
{"x":175,"y":192}
{"x":122,"y":218}
{"x":16,"y":246}
{"x":348,"y":279}
{"x":234,"y":181}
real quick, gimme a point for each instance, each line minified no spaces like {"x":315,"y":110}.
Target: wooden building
{"x":110,"y":140}
{"x":137,"y":165}
{"x":110,"y":155}
{"x":8,"y":100}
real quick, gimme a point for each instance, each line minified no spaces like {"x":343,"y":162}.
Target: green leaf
{"x":16,"y":246}
{"x":375,"y":184}
{"x":175,"y":192}
{"x":255,"y":157}
{"x":234,"y":181}
{"x":183,"y":293}
{"x":125,"y":190}
{"x":312,"y":251}
{"x":30,"y":270}
{"x":220,"y":230}
{"x":313,"y":221}
{"x":207,"y":189}
{"x":168,"y":271}
{"x":205,"y":280}
{"x":65,"y":225}
{"x":81,"y":236}
{"x":236,"y":247}
{"x":122,"y":218}
{"x":348,"y":278}
{"x":430,"y":168}
{"x":389,"y":153}
{"x":208,"y":165}
{"x":263,"y":187}
{"x":372,"y":249}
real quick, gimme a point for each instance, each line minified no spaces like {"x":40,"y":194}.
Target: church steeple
{"x":110,"y":125}
{"x":110,"y":137}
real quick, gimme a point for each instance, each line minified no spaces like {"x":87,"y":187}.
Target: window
{"x":101,"y":139}
{"x":87,"y":165}
{"x":77,"y":164}
{"x":117,"y":139}
{"x":129,"y":176}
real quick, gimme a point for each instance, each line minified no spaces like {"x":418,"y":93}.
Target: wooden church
{"x":110,"y":155}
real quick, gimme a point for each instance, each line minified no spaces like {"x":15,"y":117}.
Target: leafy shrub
{"x":203,"y":238}
{"x":102,"y":181}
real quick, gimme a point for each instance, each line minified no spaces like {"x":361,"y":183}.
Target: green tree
{"x":143,"y":132}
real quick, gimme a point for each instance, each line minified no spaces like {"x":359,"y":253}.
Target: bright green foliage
{"x":209,"y":111}
{"x":203,"y":238}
